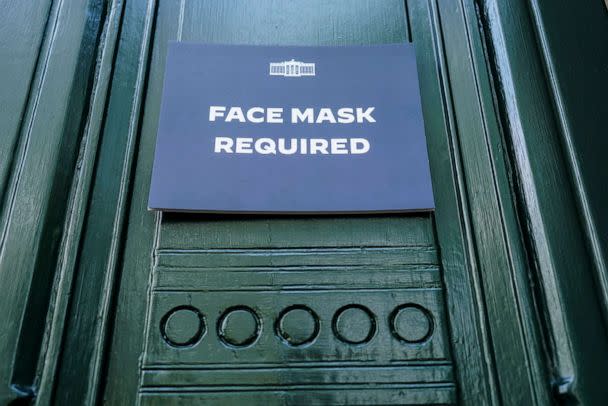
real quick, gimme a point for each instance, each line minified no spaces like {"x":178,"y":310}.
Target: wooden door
{"x":399,"y":309}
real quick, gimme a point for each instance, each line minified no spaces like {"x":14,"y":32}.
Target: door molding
{"x":567,"y":266}
{"x":495,"y":262}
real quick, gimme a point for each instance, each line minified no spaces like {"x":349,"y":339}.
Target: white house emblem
{"x":292,"y":68}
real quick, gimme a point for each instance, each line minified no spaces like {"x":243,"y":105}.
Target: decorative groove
{"x":296,"y":288}
{"x":419,"y":312}
{"x":360,"y":365}
{"x":100,"y":247}
{"x":453,"y":225}
{"x":49,"y":131}
{"x":297,"y":325}
{"x":83,"y":179}
{"x":354,"y":315}
{"x":346,"y":331}
{"x":301,"y":330}
{"x":171,"y":333}
{"x":403,"y":268}
{"x":415,"y":255}
{"x":241,"y":333}
{"x":306,"y":250}
{"x":315,"y":386}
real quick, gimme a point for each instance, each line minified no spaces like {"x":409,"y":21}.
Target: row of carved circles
{"x":296,"y":325}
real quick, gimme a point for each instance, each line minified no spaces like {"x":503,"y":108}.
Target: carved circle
{"x":411,"y":323}
{"x":239,"y":327}
{"x":297,"y":325}
{"x":354,"y":324}
{"x":183,"y":326}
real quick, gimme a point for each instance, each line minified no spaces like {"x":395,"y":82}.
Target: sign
{"x":269,"y":129}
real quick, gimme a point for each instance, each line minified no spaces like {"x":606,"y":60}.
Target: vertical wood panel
{"x":96,"y":268}
{"x":503,"y":267}
{"x":576,"y":63}
{"x":73,"y":230}
{"x":48,"y":120}
{"x":21,"y":33}
{"x":468,"y":328}
{"x":575,"y":326}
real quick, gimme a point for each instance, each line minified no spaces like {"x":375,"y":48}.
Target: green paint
{"x":410,"y":309}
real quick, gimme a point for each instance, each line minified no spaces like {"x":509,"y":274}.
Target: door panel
{"x":346,"y":310}
{"x":232,"y":298}
{"x":297,"y":309}
{"x":333,"y":309}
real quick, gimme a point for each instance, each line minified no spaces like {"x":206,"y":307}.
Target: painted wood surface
{"x":48,"y":62}
{"x":566,"y":266}
{"x":576,"y":67}
{"x":114,"y":304}
{"x":255,"y":270}
{"x":241,"y":248}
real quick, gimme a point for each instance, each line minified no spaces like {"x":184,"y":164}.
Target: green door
{"x":395,"y":309}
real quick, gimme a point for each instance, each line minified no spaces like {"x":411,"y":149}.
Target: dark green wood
{"x":561,"y":244}
{"x":288,"y":252}
{"x":474,"y":371}
{"x":99,"y":247}
{"x":126,"y":346}
{"x":500,"y":255}
{"x":576,"y":65}
{"x":458,"y":272}
{"x":504,"y":283}
{"x":48,"y":58}
{"x":79,"y":200}
{"x":21,"y":34}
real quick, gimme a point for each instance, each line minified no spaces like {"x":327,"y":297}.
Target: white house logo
{"x":292,"y":68}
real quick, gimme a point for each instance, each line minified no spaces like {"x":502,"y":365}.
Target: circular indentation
{"x":411,"y":323}
{"x":182,"y":326}
{"x":239,"y":326}
{"x":297,"y":325}
{"x":354,"y":324}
